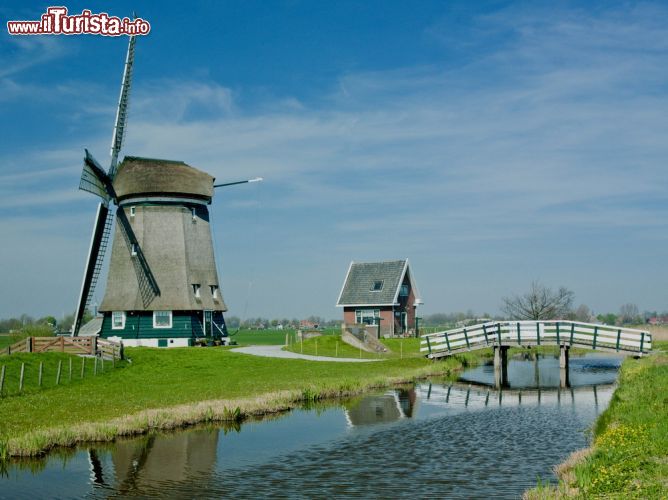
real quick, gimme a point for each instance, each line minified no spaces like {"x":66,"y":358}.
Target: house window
{"x":377,"y":286}
{"x":162,"y":319}
{"x":366,"y":316}
{"x":403,"y":291}
{"x":133,"y":252}
{"x":196,"y":288}
{"x":214,"y":291}
{"x":132,"y":211}
{"x":118,"y":320}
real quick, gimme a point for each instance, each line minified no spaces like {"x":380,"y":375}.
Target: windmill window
{"x":118,"y":320}
{"x":162,"y":319}
{"x":214,"y":291}
{"x":377,"y":286}
{"x":132,"y":211}
{"x":194,"y":213}
{"x":134,"y":250}
{"x":196,"y":291}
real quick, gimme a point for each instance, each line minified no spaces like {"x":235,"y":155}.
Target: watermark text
{"x":57,"y":21}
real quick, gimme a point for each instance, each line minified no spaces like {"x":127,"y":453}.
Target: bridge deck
{"x":535,"y":333}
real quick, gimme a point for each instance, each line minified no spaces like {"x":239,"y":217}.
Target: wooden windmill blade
{"x":98,"y":244}
{"x":122,"y":111}
{"x":94,"y":180}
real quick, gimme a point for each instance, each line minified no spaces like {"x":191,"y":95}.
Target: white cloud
{"x":560,"y":130}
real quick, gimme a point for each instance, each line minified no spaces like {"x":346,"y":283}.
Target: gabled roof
{"x":358,"y":287}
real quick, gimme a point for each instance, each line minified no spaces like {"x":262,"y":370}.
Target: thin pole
{"x":2,"y":379}
{"x":83,"y":365}
{"x":70,"y":370}
{"x":401,"y":345}
{"x":23,"y":365}
{"x":60,"y":364}
{"x":39,"y":379}
{"x":95,"y":367}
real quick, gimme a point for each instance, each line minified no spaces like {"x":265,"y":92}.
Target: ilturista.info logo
{"x":57,"y":21}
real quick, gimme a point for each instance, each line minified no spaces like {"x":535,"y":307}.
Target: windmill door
{"x":208,"y":319}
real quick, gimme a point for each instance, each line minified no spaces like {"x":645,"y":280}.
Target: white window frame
{"x":373,"y":286}
{"x":197,"y":290}
{"x":361,"y":314}
{"x":214,"y":291}
{"x":133,"y":249}
{"x":113,"y":321}
{"x":132,"y":211}
{"x":163,"y":326}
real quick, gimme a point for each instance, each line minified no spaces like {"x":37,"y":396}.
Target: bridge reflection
{"x":476,"y":396}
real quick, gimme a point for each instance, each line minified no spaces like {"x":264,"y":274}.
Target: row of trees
{"x":539,"y":302}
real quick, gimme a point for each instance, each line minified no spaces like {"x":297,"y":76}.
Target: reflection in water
{"x":433,"y":440}
{"x":379,"y":409}
{"x":538,"y":371}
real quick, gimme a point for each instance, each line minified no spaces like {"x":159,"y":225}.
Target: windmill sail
{"x":96,"y":181}
{"x":122,"y":112}
{"x":98,"y":243}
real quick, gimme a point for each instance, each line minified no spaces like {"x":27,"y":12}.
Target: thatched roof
{"x":154,"y":177}
{"x":179,"y":252}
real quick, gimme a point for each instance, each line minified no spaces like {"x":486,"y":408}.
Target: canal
{"x":447,"y":439}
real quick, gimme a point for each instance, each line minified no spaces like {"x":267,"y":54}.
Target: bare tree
{"x":629,"y":313}
{"x":582,"y":313}
{"x":540,"y":302}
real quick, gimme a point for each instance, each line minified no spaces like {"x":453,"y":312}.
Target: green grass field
{"x":332,"y":346}
{"x":156,"y":379}
{"x":82,"y":369}
{"x":270,"y":337}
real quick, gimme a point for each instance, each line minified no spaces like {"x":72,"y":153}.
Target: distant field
{"x":270,"y":337}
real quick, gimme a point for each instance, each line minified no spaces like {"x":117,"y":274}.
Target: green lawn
{"x":169,"y":377}
{"x":49,"y":361}
{"x":271,"y":337}
{"x":332,"y":346}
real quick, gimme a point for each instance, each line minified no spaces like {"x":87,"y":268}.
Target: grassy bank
{"x":628,"y":455}
{"x":168,"y":388}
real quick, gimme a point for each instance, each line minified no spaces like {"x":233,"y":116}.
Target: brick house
{"x":384,"y":290}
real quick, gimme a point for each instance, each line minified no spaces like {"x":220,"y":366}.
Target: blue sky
{"x":491,"y":143}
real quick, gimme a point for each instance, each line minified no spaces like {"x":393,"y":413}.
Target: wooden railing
{"x":535,"y":333}
{"x":91,"y":346}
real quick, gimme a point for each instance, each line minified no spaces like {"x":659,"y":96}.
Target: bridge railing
{"x":532,"y":333}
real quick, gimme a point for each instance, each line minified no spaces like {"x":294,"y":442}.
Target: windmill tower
{"x":162,"y":287}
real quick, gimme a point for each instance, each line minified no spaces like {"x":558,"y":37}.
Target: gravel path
{"x":275,"y":351}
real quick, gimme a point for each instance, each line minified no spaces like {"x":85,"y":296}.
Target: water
{"x":439,"y":439}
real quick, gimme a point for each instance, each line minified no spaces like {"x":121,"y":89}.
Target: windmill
{"x":162,"y":286}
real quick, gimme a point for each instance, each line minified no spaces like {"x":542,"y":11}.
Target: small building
{"x":384,"y":291}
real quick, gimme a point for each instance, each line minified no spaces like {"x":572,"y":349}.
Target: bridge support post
{"x":501,"y":366}
{"x":563,"y":366}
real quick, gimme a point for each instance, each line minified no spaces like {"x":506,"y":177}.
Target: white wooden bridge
{"x":535,"y":333}
{"x":501,"y":335}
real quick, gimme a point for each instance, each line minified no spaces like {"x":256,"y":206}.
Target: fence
{"x":38,"y":373}
{"x":91,"y":346}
